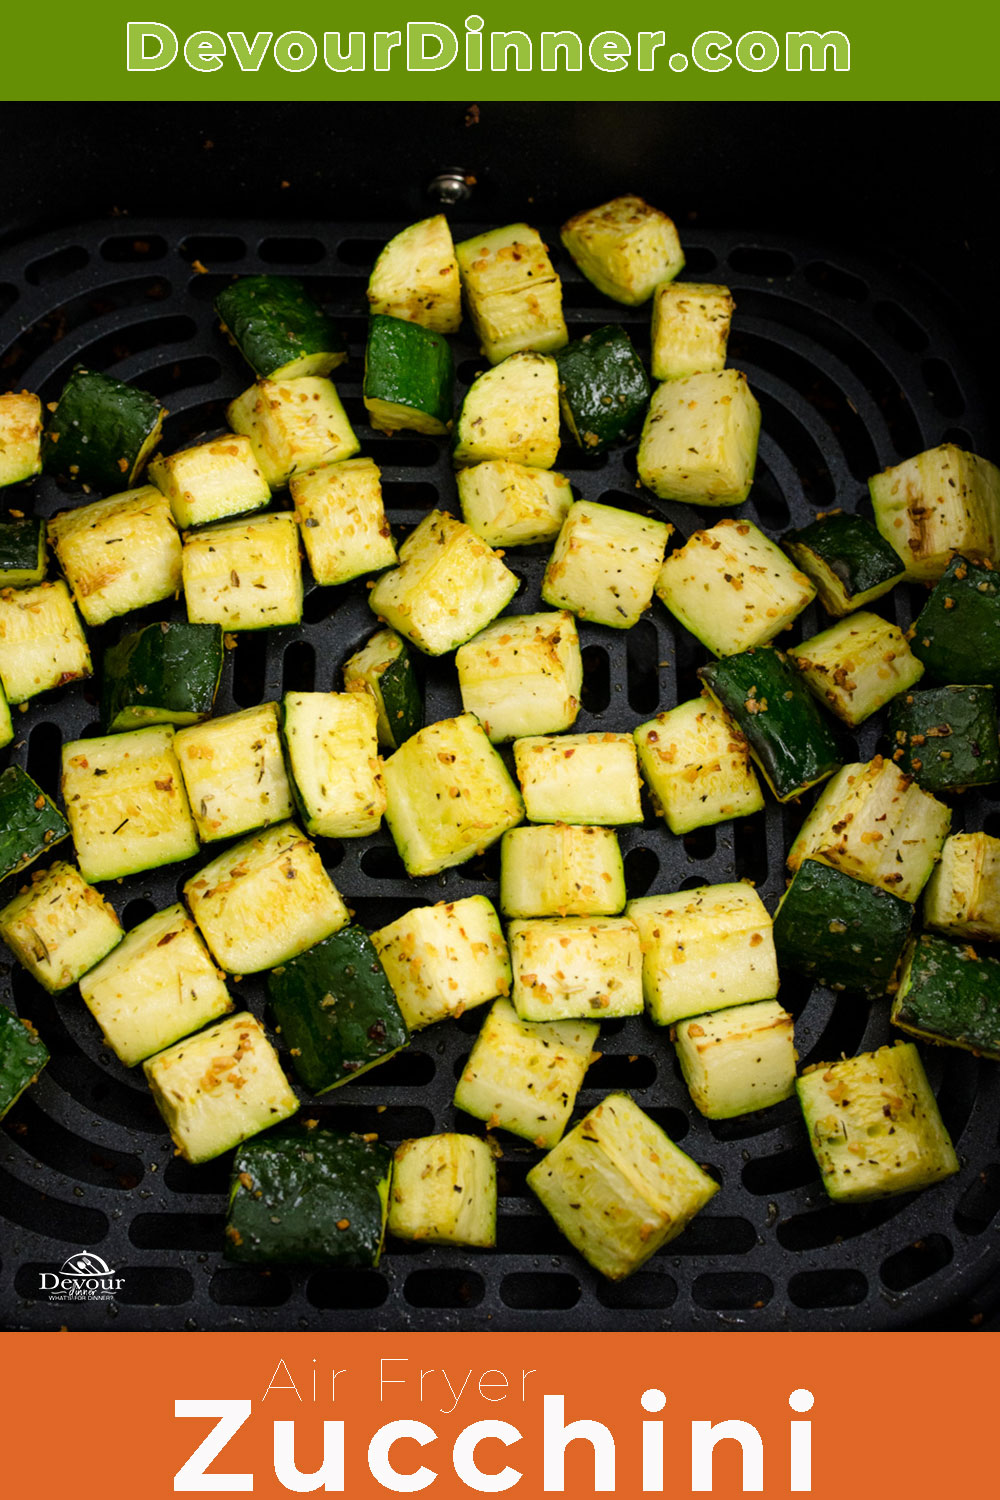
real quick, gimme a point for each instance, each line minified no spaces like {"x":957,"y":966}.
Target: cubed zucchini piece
{"x":570,"y":968}
{"x":847,"y":560}
{"x":58,"y":927}
{"x":962,"y":897}
{"x":513,"y":295}
{"x":125,"y":800}
{"x":119,"y":554}
{"x":449,"y":795}
{"x":409,"y":377}
{"x":513,"y":505}
{"x":938,"y":503}
{"x":857,"y":665}
{"x":579,"y":778}
{"x":20,"y":437}
{"x":102,"y":432}
{"x":220,"y":1087}
{"x":874,"y":1125}
{"x":278,"y":327}
{"x":957,"y":633}
{"x":211,"y":481}
{"x":293,"y":425}
{"x":699,"y":440}
{"x":167,"y":673}
{"x":244,"y":575}
{"x":157,"y":986}
{"x":732,"y":587}
{"x":739,"y":1060}
{"x":23,"y":1055}
{"x":308,"y":1197}
{"x":511,"y":412}
{"x":618,"y":1188}
{"x":265,"y":900}
{"x":442,"y":960}
{"x":840,"y":931}
{"x":523,"y":675}
{"x":603,"y":387}
{"x":334,"y":763}
{"x":234,"y":772}
{"x":6,"y":723}
{"x":690,"y":329}
{"x":950,"y":993}
{"x":30,"y":822}
{"x":383,"y":669}
{"x":524,"y":1076}
{"x":875,"y":823}
{"x":22,"y":547}
{"x":697,"y":766}
{"x":444,"y":1191}
{"x":605,"y":563}
{"x":416,"y":277}
{"x":793,"y":744}
{"x":340,"y":513}
{"x":704,"y":950}
{"x":561,"y":870}
{"x":625,"y":247}
{"x":42,"y":644}
{"x":447,"y":587}
{"x":947,"y":738}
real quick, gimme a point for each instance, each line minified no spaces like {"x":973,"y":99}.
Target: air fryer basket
{"x":854,"y":368}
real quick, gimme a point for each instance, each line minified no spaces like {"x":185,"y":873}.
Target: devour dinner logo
{"x":84,"y":1277}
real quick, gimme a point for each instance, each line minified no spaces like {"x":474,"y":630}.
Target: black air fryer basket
{"x":859,"y":357}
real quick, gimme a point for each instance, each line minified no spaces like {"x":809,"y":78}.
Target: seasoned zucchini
{"x":950,"y":993}
{"x":605,"y":563}
{"x":699,"y":440}
{"x":603,"y":387}
{"x":513,"y":295}
{"x":340,"y":513}
{"x":947,"y":738}
{"x":58,"y":926}
{"x":293,"y":425}
{"x":442,"y":960}
{"x":118,"y":554}
{"x":22,"y":548}
{"x":211,"y":481}
{"x":576,"y":968}
{"x":6,"y":723}
{"x":30,"y":822}
{"x":840,"y":931}
{"x":857,"y":665}
{"x":23,"y":1055}
{"x":579,"y":778}
{"x":738,"y":1060}
{"x":523,"y":675}
{"x":444,"y":1191}
{"x":690,"y":331}
{"x":409,"y":377}
{"x":511,"y":412}
{"x":278,"y":327}
{"x":513,"y":505}
{"x":957,"y":633}
{"x":244,"y":575}
{"x":561,"y":870}
{"x":20,"y":437}
{"x":697,"y":766}
{"x":234,"y":772}
{"x":625,"y":247}
{"x":167,"y":673}
{"x":940,"y":502}
{"x":847,"y":560}
{"x":383,"y":669}
{"x":102,"y":431}
{"x":334,"y":765}
{"x":42,"y":644}
{"x":416,"y":277}
{"x":962,"y":897}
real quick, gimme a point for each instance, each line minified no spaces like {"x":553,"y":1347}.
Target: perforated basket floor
{"x":854,"y":368}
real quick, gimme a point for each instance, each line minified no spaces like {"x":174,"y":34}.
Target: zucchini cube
{"x":20,"y":437}
{"x":957,"y":633}
{"x":857,"y":665}
{"x":244,"y":575}
{"x":211,"y":481}
{"x":603,"y":388}
{"x":416,"y":277}
{"x":523,"y":675}
{"x":605,"y":563}
{"x":59,"y":927}
{"x":334,"y":763}
{"x":950,"y":993}
{"x":840,"y":931}
{"x":874,"y":1125}
{"x":308,"y":1197}
{"x":22,"y":547}
{"x":23,"y":1055}
{"x":447,"y":587}
{"x":947,"y":738}
{"x":30,"y":822}
{"x":384,"y":670}
{"x":732,"y":587}
{"x":442,"y":960}
{"x":524,"y":1076}
{"x":561,"y":870}
{"x":234,"y":773}
{"x":157,"y":986}
{"x":101,"y":431}
{"x":579,"y":778}
{"x":618,"y":1188}
{"x":167,"y":673}
{"x":570,"y":968}
{"x":336,"y":1010}
{"x":940,"y":502}
{"x":513,"y":295}
{"x":278,"y":328}
{"x":293,"y":425}
{"x":409,"y":377}
{"x":119,"y":554}
{"x":511,"y":412}
{"x":444,"y":1192}
{"x":125,"y":801}
{"x":962,"y":897}
{"x":449,"y":795}
{"x":699,"y":440}
{"x":704,"y":950}
{"x":6,"y":723}
{"x":697,"y":766}
{"x":846,"y":559}
{"x":690,"y":329}
{"x":264,"y":901}
{"x":513,"y":505}
{"x":42,"y":644}
{"x":342,"y":520}
{"x":739,"y":1060}
{"x":219,"y":1087}
{"x":625,"y":247}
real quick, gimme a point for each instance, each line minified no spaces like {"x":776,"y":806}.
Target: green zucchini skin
{"x":411,"y":368}
{"x":950,"y":993}
{"x":336,"y":1009}
{"x":102,"y":431}
{"x":789,"y":738}
{"x":946,"y":738}
{"x":846,"y":935}
{"x":308,"y":1197}
{"x":603,"y":387}
{"x":385,"y":667}
{"x":278,"y":328}
{"x":167,"y":673}
{"x":862,"y":564}
{"x":22,"y":551}
{"x":957,"y":633}
{"x":26,"y":829}
{"x":23,"y":1055}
